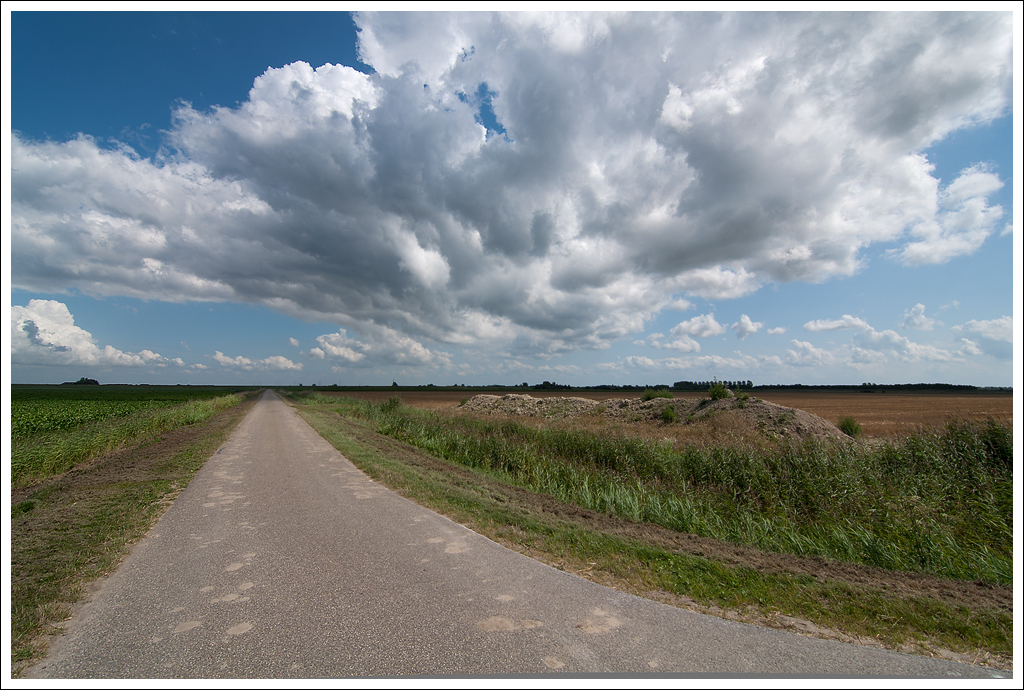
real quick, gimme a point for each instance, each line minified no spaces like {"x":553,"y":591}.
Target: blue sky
{"x":281,"y":198}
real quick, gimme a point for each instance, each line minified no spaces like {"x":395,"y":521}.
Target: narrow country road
{"x":281,"y":559}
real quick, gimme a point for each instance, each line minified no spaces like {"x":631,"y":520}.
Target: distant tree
{"x":82,"y":382}
{"x":394,"y":384}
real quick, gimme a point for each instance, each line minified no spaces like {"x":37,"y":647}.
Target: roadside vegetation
{"x":938,"y":502}
{"x":90,"y":478}
{"x":54,"y":429}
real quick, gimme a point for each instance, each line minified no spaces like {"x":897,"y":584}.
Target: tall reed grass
{"x":939,"y":501}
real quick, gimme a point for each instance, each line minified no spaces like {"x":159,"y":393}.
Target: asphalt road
{"x":281,"y":560}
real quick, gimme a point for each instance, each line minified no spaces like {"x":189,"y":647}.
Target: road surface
{"x":281,"y":559}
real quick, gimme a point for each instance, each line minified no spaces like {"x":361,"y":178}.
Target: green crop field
{"x":55,"y":427}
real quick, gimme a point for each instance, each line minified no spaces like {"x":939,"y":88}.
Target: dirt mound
{"x":775,"y":422}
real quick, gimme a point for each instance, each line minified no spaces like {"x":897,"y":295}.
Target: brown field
{"x":879,"y":414}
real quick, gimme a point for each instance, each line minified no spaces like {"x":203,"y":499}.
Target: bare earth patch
{"x":769,"y":420}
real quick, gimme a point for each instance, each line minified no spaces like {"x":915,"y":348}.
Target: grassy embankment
{"x":937,"y":502}
{"x":91,"y":479}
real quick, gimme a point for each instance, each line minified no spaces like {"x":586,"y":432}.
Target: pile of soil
{"x":774,"y":421}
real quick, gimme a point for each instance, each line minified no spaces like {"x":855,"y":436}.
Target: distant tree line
{"x":551,"y":386}
{"x":704,"y":385}
{"x":873,"y":387}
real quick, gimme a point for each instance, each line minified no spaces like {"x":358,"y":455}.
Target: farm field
{"x":53,"y":428}
{"x":879,"y":414}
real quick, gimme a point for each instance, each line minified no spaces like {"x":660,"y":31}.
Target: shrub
{"x":652,"y":393}
{"x":718,"y":391}
{"x":849,"y":426}
{"x":668,"y":414}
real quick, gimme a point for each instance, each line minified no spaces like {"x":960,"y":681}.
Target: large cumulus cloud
{"x":548,"y":182}
{"x":44,"y":332}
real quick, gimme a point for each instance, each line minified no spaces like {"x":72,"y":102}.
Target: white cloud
{"x":44,"y":332}
{"x":293,"y":342}
{"x":804,"y":354}
{"x":339,"y":345}
{"x":703,"y":363}
{"x":733,"y":152}
{"x":684,"y":343}
{"x":745,"y":327}
{"x":899,"y":347}
{"x":779,"y":330}
{"x":970,"y":347}
{"x":702,"y":326}
{"x":835,"y":324}
{"x":915,"y":318}
{"x":993,"y":337}
{"x":964,"y":220}
{"x":381,"y":346}
{"x":272,"y":363}
{"x":1000,"y":329}
{"x":279,"y":363}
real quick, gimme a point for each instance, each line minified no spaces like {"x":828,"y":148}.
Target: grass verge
{"x":72,"y":529}
{"x":851,"y":603}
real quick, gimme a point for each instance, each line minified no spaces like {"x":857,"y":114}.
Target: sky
{"x":484,"y":198}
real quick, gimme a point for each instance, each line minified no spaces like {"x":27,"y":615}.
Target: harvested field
{"x":896,"y":414}
{"x":879,"y":414}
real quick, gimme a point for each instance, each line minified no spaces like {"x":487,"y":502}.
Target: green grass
{"x":57,"y":445}
{"x":641,"y":567}
{"x":938,"y":502}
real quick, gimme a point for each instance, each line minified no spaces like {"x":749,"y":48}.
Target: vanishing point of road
{"x":282,"y":560}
